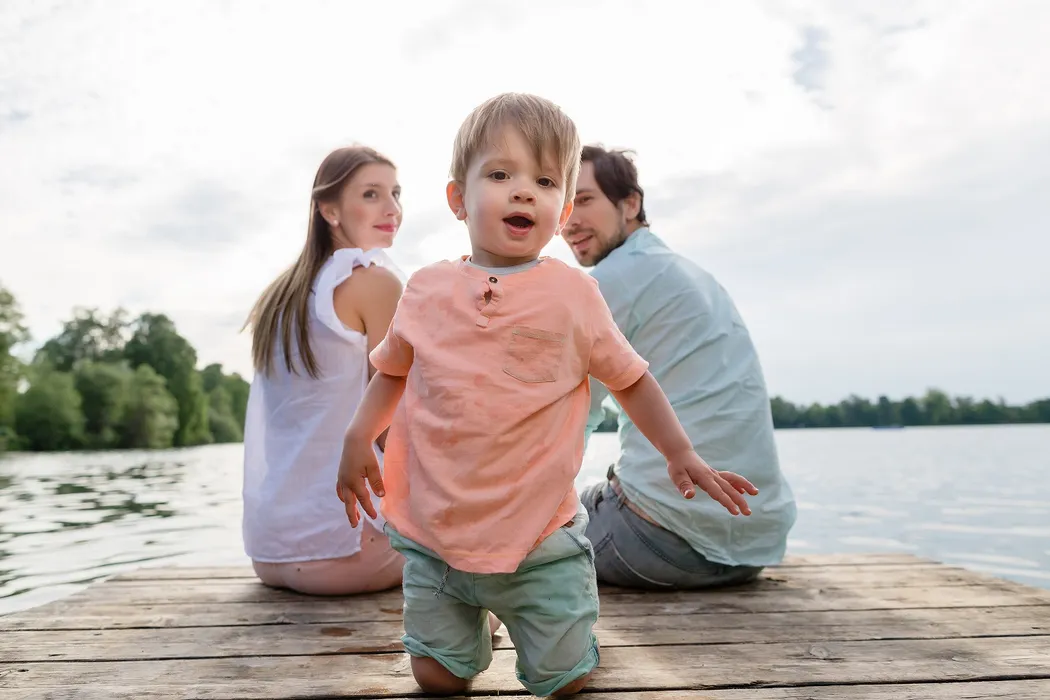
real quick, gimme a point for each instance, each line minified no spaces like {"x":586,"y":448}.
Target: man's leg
{"x":632,"y":552}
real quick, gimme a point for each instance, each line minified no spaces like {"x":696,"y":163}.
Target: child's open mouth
{"x":518,"y":225}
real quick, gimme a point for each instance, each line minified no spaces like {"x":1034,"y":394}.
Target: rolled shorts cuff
{"x":546,"y":688}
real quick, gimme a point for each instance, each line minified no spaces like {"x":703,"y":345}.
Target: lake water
{"x":977,"y":497}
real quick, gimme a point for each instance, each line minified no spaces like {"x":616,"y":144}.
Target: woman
{"x":312,"y":330}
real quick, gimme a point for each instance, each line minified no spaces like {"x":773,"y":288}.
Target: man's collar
{"x":636,"y":236}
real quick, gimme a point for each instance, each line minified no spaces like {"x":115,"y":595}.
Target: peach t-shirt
{"x":484,"y":447}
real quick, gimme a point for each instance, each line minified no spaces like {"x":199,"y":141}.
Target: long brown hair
{"x":282,"y":307}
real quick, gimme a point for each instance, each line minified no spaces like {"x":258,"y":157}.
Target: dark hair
{"x":616,"y":174}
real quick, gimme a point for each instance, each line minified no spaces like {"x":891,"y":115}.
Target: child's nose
{"x":524,"y":195}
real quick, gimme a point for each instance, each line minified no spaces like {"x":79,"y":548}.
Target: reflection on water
{"x":68,"y":519}
{"x":974,"y":497}
{"x":977,"y":497}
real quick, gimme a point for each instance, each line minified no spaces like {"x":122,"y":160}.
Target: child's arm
{"x":647,"y":406}
{"x":358,"y":462}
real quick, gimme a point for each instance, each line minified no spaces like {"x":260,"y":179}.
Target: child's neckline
{"x":522,"y":267}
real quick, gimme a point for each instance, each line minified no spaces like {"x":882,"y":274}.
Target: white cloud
{"x":866,"y":179}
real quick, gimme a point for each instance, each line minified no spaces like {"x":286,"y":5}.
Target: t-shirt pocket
{"x":534,"y":355}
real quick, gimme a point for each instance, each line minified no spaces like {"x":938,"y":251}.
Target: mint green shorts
{"x":549,"y":606}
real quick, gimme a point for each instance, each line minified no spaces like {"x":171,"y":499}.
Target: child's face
{"x":513,"y":205}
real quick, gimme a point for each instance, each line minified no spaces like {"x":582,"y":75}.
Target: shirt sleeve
{"x":394,"y":354}
{"x":613,"y":361}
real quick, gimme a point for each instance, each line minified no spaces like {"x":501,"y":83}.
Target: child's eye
{"x":545,"y":182}
{"x":499,"y":175}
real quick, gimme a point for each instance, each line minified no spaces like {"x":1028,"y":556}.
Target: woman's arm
{"x":366,"y":302}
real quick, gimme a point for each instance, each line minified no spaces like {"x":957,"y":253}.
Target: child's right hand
{"x":357,"y":465}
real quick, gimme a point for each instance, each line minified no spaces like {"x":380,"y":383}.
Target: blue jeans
{"x":631,"y":552}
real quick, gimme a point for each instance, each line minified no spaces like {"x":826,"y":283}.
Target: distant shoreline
{"x":935,"y":408}
{"x":603,"y":428}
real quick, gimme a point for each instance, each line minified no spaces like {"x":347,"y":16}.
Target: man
{"x":683,"y":322}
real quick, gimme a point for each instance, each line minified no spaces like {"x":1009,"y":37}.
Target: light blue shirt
{"x":683,"y":322}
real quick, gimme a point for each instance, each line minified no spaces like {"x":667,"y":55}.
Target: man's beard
{"x":615,"y":242}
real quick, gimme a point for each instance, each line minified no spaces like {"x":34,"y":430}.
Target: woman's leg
{"x":376,"y":567}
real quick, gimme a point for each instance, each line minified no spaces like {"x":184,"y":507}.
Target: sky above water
{"x":869,"y":181}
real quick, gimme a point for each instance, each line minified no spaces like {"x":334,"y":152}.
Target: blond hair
{"x":546,"y":129}
{"x":282,"y":307}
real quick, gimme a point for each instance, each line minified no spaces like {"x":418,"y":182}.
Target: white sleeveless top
{"x":293,"y":435}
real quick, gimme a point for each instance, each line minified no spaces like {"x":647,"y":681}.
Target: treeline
{"x":110,"y":382}
{"x":935,"y":408}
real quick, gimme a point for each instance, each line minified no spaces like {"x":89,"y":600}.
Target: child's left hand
{"x":725,"y":487}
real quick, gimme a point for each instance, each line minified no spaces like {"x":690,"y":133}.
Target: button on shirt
{"x":684,"y":324}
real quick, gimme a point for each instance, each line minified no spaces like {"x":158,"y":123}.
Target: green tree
{"x":937,"y":408}
{"x":1038,"y":411}
{"x":816,"y":416}
{"x":212,"y":377}
{"x":103,"y":389}
{"x":911,"y":412}
{"x":89,"y":335}
{"x":888,"y":412}
{"x":856,"y":411}
{"x":151,"y":413}
{"x":223,"y":424}
{"x":236,"y":389}
{"x":934,"y":408}
{"x":785,"y":413}
{"x":48,"y":414}
{"x":12,"y":333}
{"x":156,"y":342}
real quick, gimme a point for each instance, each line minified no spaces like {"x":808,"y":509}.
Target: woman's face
{"x":367,"y":214}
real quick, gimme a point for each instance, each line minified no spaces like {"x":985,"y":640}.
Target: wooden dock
{"x":885,"y":627}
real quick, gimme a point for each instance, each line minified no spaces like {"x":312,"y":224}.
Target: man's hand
{"x":357,"y":465}
{"x":727,"y":488}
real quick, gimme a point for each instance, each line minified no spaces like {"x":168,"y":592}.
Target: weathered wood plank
{"x":655,"y":630}
{"x":79,"y":614}
{"x":982,"y":690}
{"x":181,"y":573}
{"x":845,"y":576}
{"x":623,"y":668}
{"x":249,"y":591}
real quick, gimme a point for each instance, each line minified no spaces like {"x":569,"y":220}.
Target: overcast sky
{"x":868,"y":180}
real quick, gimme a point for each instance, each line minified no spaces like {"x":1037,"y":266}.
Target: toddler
{"x":482,"y":379}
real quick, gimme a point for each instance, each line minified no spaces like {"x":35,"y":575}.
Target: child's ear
{"x":566,"y":212}
{"x":454,"y":193}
